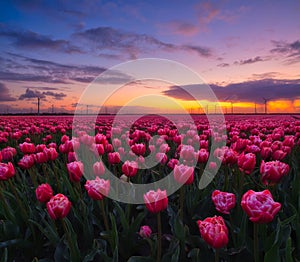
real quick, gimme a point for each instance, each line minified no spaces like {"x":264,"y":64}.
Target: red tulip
{"x":260,"y":206}
{"x":184,"y":174}
{"x":214,"y":231}
{"x":75,"y":170}
{"x":289,"y":141}
{"x":26,"y":162}
{"x":51,"y":153}
{"x":58,"y":206}
{"x":138,"y":149}
{"x":40,"y":147}
{"x":230,"y":157}
{"x":187,"y":153}
{"x":8,"y":153}
{"x":266,"y":152}
{"x":202,"y":155}
{"x":156,"y":201}
{"x":172,"y":163}
{"x":212,"y":165}
{"x":223,"y":201}
{"x":145,"y":231}
{"x":246,"y":162}
{"x":72,"y":156}
{"x":99,"y":168}
{"x":6,"y":171}
{"x":278,"y":155}
{"x":97,"y":188}
{"x":114,"y":158}
{"x":129,"y":168}
{"x":27,"y":148}
{"x":43,"y":193}
{"x":273,"y":171}
{"x":162,"y":158}
{"x":40,"y":157}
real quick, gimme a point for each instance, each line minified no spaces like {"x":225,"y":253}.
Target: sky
{"x":247,"y":51}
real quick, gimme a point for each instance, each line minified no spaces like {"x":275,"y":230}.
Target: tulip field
{"x":55,"y":194}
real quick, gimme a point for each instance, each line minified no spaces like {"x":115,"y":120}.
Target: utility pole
{"x":39,"y":106}
{"x":231,"y":108}
{"x":255,"y":108}
{"x":52,"y":109}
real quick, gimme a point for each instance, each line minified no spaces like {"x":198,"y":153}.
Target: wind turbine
{"x":266,"y":101}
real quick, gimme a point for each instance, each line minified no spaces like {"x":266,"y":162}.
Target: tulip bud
{"x":97,"y":188}
{"x":58,"y":206}
{"x":214,"y":231}
{"x":156,"y":201}
{"x":145,"y":231}
{"x":43,"y":193}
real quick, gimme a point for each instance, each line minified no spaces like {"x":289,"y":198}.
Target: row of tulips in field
{"x":54,"y":195}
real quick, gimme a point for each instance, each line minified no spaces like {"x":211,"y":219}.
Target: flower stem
{"x":241,"y":184}
{"x":217,"y":255}
{"x":103,"y":214}
{"x":256,"y":247}
{"x":158,"y":237}
{"x":232,"y":230}
{"x":181,"y":202}
{"x":74,"y":252}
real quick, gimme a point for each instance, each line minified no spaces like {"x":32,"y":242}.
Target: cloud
{"x":36,"y":70}
{"x":120,"y":42}
{"x":24,"y":39}
{"x":4,"y":94}
{"x":223,"y":65}
{"x":250,"y":61}
{"x":46,"y":88}
{"x":29,"y":94}
{"x":208,"y":12}
{"x":12,"y":76}
{"x":57,"y":96}
{"x":249,"y":91}
{"x":202,"y":51}
{"x":290,"y":50}
{"x":178,"y":27}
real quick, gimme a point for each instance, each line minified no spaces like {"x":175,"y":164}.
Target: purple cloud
{"x":4,"y":94}
{"x":250,"y":61}
{"x":29,"y":94}
{"x":178,"y":27}
{"x":119,"y":41}
{"x":249,"y":91}
{"x":290,"y":50}
{"x":30,"y":40}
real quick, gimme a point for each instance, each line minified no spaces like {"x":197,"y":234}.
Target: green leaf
{"x":91,"y":255}
{"x":48,"y":231}
{"x":179,"y":229}
{"x":60,"y":251}
{"x":140,"y":259}
{"x":122,"y":216}
{"x":9,"y":243}
{"x":288,"y":251}
{"x":114,"y":234}
{"x":176,"y":254}
{"x":272,"y":255}
{"x":4,"y":257}
{"x":135,"y":225}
